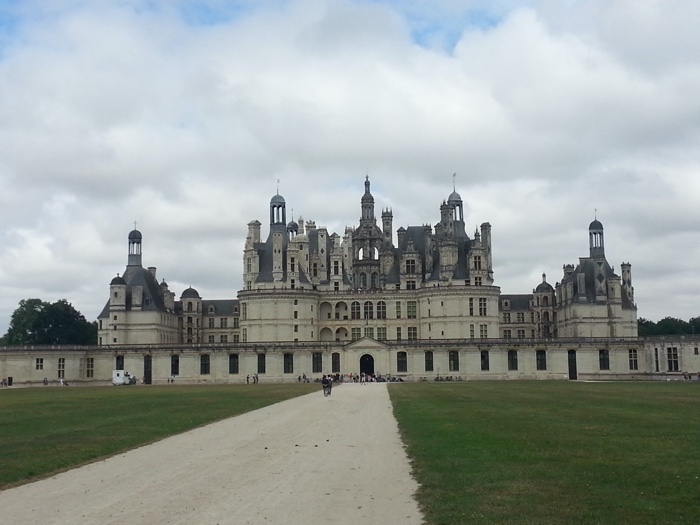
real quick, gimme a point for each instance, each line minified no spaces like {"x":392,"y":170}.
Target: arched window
{"x":369,"y":310}
{"x":545,"y":301}
{"x":363,"y":280}
{"x":375,"y":280}
{"x":381,"y":310}
{"x":355,"y":310}
{"x":189,"y":306}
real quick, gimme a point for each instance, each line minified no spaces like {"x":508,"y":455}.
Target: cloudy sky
{"x":184,"y":115}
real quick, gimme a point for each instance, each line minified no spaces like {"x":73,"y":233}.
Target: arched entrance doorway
{"x":367,"y":364}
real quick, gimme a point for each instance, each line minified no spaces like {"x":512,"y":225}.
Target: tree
{"x":36,"y":322}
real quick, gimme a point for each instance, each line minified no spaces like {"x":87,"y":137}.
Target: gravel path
{"x":335,"y":460}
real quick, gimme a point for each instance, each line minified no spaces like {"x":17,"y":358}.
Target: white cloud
{"x":116,"y":112}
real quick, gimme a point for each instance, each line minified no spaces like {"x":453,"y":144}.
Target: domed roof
{"x":544,"y":286}
{"x":135,"y":235}
{"x":595,"y":225}
{"x":292,"y":226}
{"x":118,"y":281}
{"x":190,"y":293}
{"x":454,"y":198}
{"x":277,"y":199}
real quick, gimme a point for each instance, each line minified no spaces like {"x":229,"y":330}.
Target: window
{"x":471,"y":331}
{"x":223,"y":338}
{"x":381,"y":333}
{"x":336,"y":267}
{"x":244,"y":311}
{"x":236,"y":338}
{"x":484,"y":360}
{"x":411,"y":309}
{"x":541,"y":357}
{"x":288,"y":363}
{"x":296,"y":328}
{"x":335,"y":362}
{"x":411,"y":266}
{"x":233,"y":363}
{"x":90,"y":367}
{"x":292,"y":265}
{"x":355,"y":310}
{"x":453,"y":361}
{"x":174,"y":365}
{"x":412,"y":333}
{"x":483,"y":331}
{"x":512,"y":359}
{"x":211,"y":322}
{"x":672,"y":355}
{"x":604,"y":359}
{"x":236,"y":322}
{"x":369,"y":332}
{"x":204,"y":364}
{"x":398,"y":309}
{"x":401,"y":362}
{"x":477,"y":281}
{"x":248,"y":265}
{"x":381,"y":310}
{"x":261,"y":363}
{"x":411,"y":285}
{"x":369,"y":310}
{"x":506,"y":334}
{"x":398,"y":333}
{"x":355,"y":333}
{"x":429,"y":361}
{"x":61,"y":367}
{"x":223,"y":322}
{"x":317,"y":362}
{"x":520,"y":317}
{"x":506,"y":317}
{"x":521,"y":334}
{"x":634,"y":363}
{"x":210,"y":338}
{"x":471,"y":306}
{"x":477,"y":262}
{"x":39,"y":364}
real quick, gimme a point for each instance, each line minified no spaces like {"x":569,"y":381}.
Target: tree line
{"x":37,"y":322}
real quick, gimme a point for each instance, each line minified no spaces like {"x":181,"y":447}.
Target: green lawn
{"x":44,"y":430}
{"x":553,"y":452}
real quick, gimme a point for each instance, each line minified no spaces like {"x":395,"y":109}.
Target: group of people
{"x":327,"y":385}
{"x":247,"y":379}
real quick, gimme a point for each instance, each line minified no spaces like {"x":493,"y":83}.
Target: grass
{"x":46,"y":430}
{"x":553,"y":452}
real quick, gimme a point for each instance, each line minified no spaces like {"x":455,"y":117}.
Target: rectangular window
{"x":507,"y":334}
{"x":381,"y":333}
{"x":223,"y":322}
{"x":335,"y":362}
{"x":244,"y":311}
{"x":512,"y":359}
{"x":61,"y":367}
{"x":90,"y":367}
{"x":521,"y":334}
{"x":261,"y":363}
{"x":482,"y":306}
{"x":429,"y":361}
{"x":355,"y":333}
{"x":483,"y":331}
{"x":369,"y":332}
{"x":236,"y":338}
{"x":410,"y":285}
{"x":411,"y":266}
{"x":398,"y":309}
{"x":484,"y":360}
{"x":317,"y":362}
{"x":477,"y":262}
{"x":401,"y":362}
{"x":204,"y":364}
{"x":672,"y":356}
{"x":296,"y":328}
{"x":412,"y":333}
{"x":520,"y":317}
{"x":119,"y":363}
{"x":381,"y":310}
{"x":477,"y":281}
{"x":174,"y":365}
{"x":210,"y":338}
{"x":471,"y":306}
{"x":411,"y":309}
{"x":541,"y":359}
{"x":233,"y":363}
{"x":506,"y":317}
{"x":336,"y":267}
{"x":471,"y":332}
{"x":39,"y":363}
{"x":453,"y":361}
{"x":292,"y":265}
{"x":634,"y":363}
{"x":288,"y":363}
{"x":223,"y":338}
{"x":236,"y":322}
{"x":398,"y":333}
{"x":604,"y":359}
{"x":211,"y":322}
